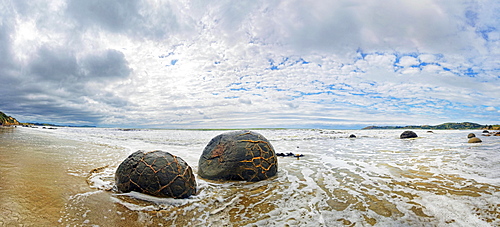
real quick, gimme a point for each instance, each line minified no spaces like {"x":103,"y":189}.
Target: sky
{"x":250,"y":64}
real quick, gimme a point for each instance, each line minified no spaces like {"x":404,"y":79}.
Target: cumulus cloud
{"x":249,"y":63}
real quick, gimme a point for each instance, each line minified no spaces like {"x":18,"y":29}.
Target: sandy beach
{"x":374,"y":180}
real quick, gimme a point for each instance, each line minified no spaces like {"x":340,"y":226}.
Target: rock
{"x":238,"y":155}
{"x":471,"y":135}
{"x":156,"y":173}
{"x":496,"y":134}
{"x":352,"y":136}
{"x":408,"y":134}
{"x":290,"y":154}
{"x":474,"y":140}
{"x":430,"y":132}
{"x":486,"y":131}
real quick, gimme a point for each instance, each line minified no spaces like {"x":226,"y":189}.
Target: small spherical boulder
{"x":408,"y":134}
{"x":238,"y":155}
{"x":352,"y":136}
{"x":156,"y":173}
{"x":471,"y":135}
{"x":474,"y":140}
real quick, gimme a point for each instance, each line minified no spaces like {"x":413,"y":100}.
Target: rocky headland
{"x":7,"y":120}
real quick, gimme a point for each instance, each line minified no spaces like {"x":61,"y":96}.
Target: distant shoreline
{"x":444,"y":126}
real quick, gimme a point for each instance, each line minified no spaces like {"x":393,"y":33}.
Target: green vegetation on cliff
{"x":463,"y":125}
{"x":7,"y":120}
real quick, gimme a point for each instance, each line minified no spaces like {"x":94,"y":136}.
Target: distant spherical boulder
{"x":352,"y":136}
{"x":408,"y":134}
{"x":471,"y":135}
{"x":156,"y":173}
{"x":486,"y":131}
{"x":238,"y":155}
{"x":474,"y":140}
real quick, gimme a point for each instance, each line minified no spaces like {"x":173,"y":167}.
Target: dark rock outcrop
{"x":408,"y":134}
{"x":471,"y":135}
{"x":156,"y":173}
{"x":238,"y":155}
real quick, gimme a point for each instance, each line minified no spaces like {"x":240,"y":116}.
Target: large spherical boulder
{"x":408,"y":134}
{"x":238,"y":155}
{"x":471,"y":135}
{"x":156,"y":173}
{"x":474,"y":140}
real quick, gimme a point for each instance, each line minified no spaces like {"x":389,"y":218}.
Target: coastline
{"x":66,"y":177}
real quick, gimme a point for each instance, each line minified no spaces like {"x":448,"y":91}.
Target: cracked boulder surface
{"x":156,"y":173}
{"x":238,"y":155}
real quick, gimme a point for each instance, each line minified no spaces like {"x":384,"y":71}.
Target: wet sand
{"x":376,"y":180}
{"x":38,"y":176}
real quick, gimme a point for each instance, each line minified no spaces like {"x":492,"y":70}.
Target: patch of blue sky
{"x":273,"y":67}
{"x":287,"y":61}
{"x":485,"y":32}
{"x":400,"y":55}
{"x":471,"y":17}
{"x":470,"y":72}
{"x":274,"y":88}
{"x":361,"y":55}
{"x":166,"y":55}
{"x":239,"y":89}
{"x":231,"y":84}
{"x":339,"y":86}
{"x":244,"y":76}
{"x":429,"y":63}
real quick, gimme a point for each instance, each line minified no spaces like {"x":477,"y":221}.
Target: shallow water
{"x":66,"y":177}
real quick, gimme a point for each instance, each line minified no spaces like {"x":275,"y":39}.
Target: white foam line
{"x":225,"y":205}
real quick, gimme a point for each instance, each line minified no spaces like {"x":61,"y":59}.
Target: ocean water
{"x":66,"y":176}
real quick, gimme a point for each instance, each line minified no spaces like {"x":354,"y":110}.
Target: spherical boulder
{"x":238,"y":155}
{"x":408,"y":134}
{"x":352,"y":136}
{"x":471,"y":135}
{"x":474,"y":140}
{"x":156,"y":173}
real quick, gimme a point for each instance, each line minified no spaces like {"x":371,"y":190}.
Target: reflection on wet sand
{"x":33,"y":182}
{"x":49,"y":181}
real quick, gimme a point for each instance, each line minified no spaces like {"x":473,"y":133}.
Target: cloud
{"x":136,"y":19}
{"x":249,"y":64}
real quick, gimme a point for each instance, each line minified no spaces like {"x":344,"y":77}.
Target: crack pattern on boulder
{"x":238,"y":155}
{"x":156,"y":173}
